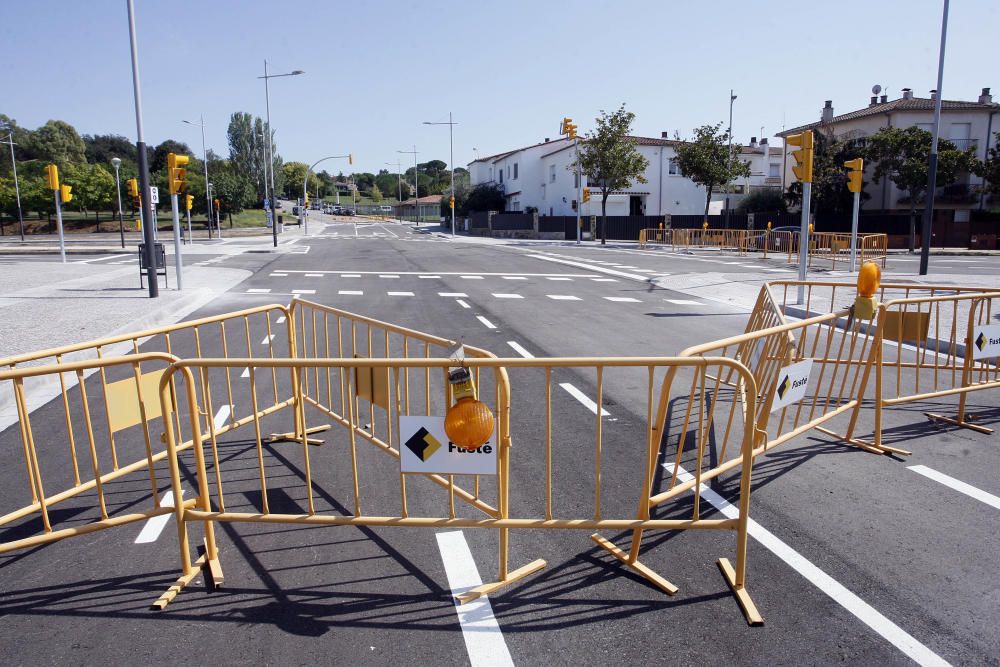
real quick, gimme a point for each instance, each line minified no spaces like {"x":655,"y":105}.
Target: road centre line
{"x":599,"y":269}
{"x":508,"y":296}
{"x":957,"y":485}
{"x":303,"y":291}
{"x":153,"y":527}
{"x":685,"y":302}
{"x":484,"y":641}
{"x":520,"y":350}
{"x":864,"y":612}
{"x":583,"y":398}
{"x":245,"y":373}
{"x":622,"y":299}
{"x":399,"y":293}
{"x":563,"y":297}
{"x":258,"y":290}
{"x":454,"y":294}
{"x":486,"y":322}
{"x":514,"y":278}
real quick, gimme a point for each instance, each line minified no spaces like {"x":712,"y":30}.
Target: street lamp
{"x":451,"y":157}
{"x":416,"y":186}
{"x":729,"y":152}
{"x":303,"y":215}
{"x":399,"y":180}
{"x":116,"y":162}
{"x":17,"y":187}
{"x":204,"y":158}
{"x":270,"y":146}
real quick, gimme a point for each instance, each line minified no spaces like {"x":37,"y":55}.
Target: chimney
{"x":753,"y":142}
{"x":828,"y":111}
{"x":873,"y":101}
{"x":933,"y":93}
{"x":985,"y":97}
{"x":666,"y":135}
{"x":546,"y":140}
{"x":763,"y":144}
{"x":907,"y":93}
{"x":883,"y":99}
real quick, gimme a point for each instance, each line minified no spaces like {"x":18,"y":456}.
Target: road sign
{"x":986,"y":341}
{"x":426,"y":449}
{"x":792,"y":384}
{"x":154,"y":194}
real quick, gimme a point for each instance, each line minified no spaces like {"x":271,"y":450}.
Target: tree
{"x":483,"y":197}
{"x":246,"y":151}
{"x":375,"y":194}
{"x":232,"y":188}
{"x":902,"y":155}
{"x":58,"y":142}
{"x":989,"y":169}
{"x":388,"y":183}
{"x":100,"y":148}
{"x":708,"y":161}
{"x":609,"y":158}
{"x":763,"y":201}
{"x":159,"y":161}
{"x":294,"y":175}
{"x":93,"y":187}
{"x":829,"y":185}
{"x":364,"y":180}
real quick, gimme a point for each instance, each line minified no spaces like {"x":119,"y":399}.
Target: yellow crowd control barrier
{"x":834,"y":247}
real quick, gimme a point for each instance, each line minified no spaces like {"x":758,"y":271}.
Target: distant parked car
{"x":385,"y":209}
{"x":350,"y":211}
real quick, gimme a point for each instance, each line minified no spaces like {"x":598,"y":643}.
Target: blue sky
{"x":507,"y":70}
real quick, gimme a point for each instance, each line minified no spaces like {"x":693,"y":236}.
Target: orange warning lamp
{"x":869,"y":280}
{"x":768,"y":225}
{"x":469,"y":423}
{"x":704,"y":225}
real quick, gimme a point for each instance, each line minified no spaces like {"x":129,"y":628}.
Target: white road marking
{"x":867,"y":614}
{"x":258,"y":290}
{"x":245,"y":373}
{"x":426,"y":277}
{"x":280,"y":320}
{"x":399,"y":293}
{"x":267,"y":340}
{"x":604,"y":280}
{"x":958,"y":485}
{"x":151,"y":530}
{"x":453,"y":294}
{"x":520,"y":350}
{"x":314,"y":275}
{"x":387,"y":275}
{"x":100,"y":259}
{"x":622,"y":299}
{"x":558,"y":278}
{"x":583,"y":398}
{"x":483,"y":639}
{"x":514,"y":278}
{"x":350,"y":275}
{"x":563,"y":297}
{"x":354,"y":292}
{"x":472,"y":277}
{"x":462,"y":303}
{"x":223,"y":413}
{"x":303,"y":291}
{"x":509,"y":296}
{"x":486,"y":322}
{"x":685,"y":302}
{"x":354,"y":273}
{"x":273,"y":275}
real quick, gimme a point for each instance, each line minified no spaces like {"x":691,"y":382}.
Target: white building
{"x":965,"y":124}
{"x":541,"y":176}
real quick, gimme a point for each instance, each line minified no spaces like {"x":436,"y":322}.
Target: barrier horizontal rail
{"x":609,"y":490}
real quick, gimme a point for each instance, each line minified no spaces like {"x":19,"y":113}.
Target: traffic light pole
{"x":148,"y":258}
{"x":854,"y":232}
{"x":59,"y":225}
{"x":190,"y":233}
{"x":178,"y":262}
{"x":804,"y":239}
{"x":579,"y":191}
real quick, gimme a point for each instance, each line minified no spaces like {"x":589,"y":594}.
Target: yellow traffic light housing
{"x":586,"y":195}
{"x":132,"y":185}
{"x":188,"y":202}
{"x":856,"y":169}
{"x":350,"y":158}
{"x":566,"y":122}
{"x":65,"y":193}
{"x":52,"y":176}
{"x":176,"y":172}
{"x":803,"y":168}
{"x":451,"y":202}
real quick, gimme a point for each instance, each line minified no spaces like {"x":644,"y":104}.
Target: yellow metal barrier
{"x":734,"y":240}
{"x":834,"y":247}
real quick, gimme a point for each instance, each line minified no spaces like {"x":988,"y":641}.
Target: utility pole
{"x":17,"y":187}
{"x":925,"y":240}
{"x":451,"y":157}
{"x":729,"y":152}
{"x":416,"y":186}
{"x":148,"y":257}
{"x":270,"y":146}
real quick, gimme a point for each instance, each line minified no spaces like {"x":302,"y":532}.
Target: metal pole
{"x":190,"y":233}
{"x":17,"y":187}
{"x":729,"y":152}
{"x":451,"y":156}
{"x":59,"y":225}
{"x":121,"y":221}
{"x":925,"y":241}
{"x":148,"y":258}
{"x":270,"y":147}
{"x":177,"y":240}
{"x":804,"y":238}
{"x":579,"y":191}
{"x":854,"y":232}
{"x":208,"y":198}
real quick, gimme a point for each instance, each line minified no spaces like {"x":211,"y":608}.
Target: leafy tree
{"x":389,"y":183}
{"x":434,"y":168}
{"x":902,"y":155}
{"x":100,"y":148}
{"x":483,"y":197}
{"x":159,"y":161}
{"x":989,"y":169}
{"x":232,"y":188}
{"x":294,"y":175}
{"x":58,"y":142}
{"x":22,"y":140}
{"x":829,"y":189}
{"x":375,"y":194}
{"x":246,"y":151}
{"x":93,"y":187}
{"x":708,"y":162}
{"x":609,"y":158}
{"x":764,"y":201}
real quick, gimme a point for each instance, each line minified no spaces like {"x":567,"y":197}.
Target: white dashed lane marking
{"x":351,"y":292}
{"x":958,"y":485}
{"x":462,"y":303}
{"x":563,"y":297}
{"x":258,"y":290}
{"x":514,"y":278}
{"x":303,"y":291}
{"x":583,"y":398}
{"x":520,"y":350}
{"x":452,"y":294}
{"x":267,"y":340}
{"x":399,"y":293}
{"x":684,"y":302}
{"x":486,"y":323}
{"x":622,"y":299}
{"x":509,"y":296}
{"x":472,"y":277}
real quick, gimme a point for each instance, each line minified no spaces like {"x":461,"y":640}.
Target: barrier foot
{"x":742,"y":597}
{"x":215,"y":569}
{"x":179,"y":585}
{"x":292,"y":437}
{"x":954,"y":421}
{"x":872,"y":447}
{"x":486,"y":589}
{"x":648,"y":574}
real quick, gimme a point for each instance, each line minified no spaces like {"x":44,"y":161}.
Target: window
{"x":576,"y":180}
{"x":515,"y":171}
{"x":673,"y":168}
{"x":543,"y":190}
{"x":552,"y":173}
{"x":508,"y":172}
{"x":501,"y":174}
{"x":774,"y":170}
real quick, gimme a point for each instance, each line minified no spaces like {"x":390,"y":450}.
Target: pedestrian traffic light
{"x":586,"y":195}
{"x":52,"y":176}
{"x":803,"y":168}
{"x":176,"y":173}
{"x":65,"y":193}
{"x":189,"y":202}
{"x":856,"y":169}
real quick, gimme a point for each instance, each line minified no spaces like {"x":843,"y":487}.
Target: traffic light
{"x":188,"y":202}
{"x":52,"y":176}
{"x":176,"y":172}
{"x":586,"y":195}
{"x":65,"y":193}
{"x":568,"y":128}
{"x":350,"y":158}
{"x":132,"y":185}
{"x":451,"y":202}
{"x":803,"y":168}
{"x":856,"y":168}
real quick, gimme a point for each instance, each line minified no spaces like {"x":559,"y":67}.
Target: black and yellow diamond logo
{"x":423,"y":444}
{"x":783,"y":387}
{"x":981,"y":341}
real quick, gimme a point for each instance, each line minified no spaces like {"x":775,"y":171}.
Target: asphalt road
{"x":855,"y":558}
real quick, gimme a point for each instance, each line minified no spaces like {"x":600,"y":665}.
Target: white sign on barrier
{"x":792,"y":384}
{"x":424,"y":448}
{"x":986,"y":341}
